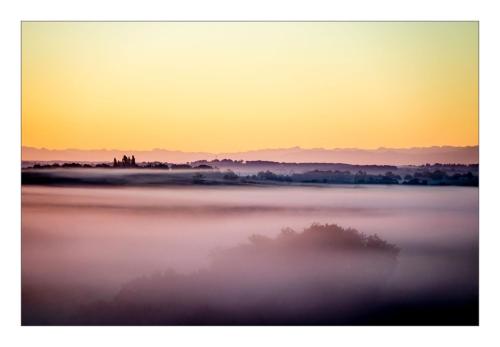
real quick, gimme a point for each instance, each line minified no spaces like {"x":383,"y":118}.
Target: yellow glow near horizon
{"x":224,"y":87}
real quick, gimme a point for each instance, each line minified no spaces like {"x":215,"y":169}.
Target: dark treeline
{"x":215,"y":177}
{"x":421,"y":177}
{"x":260,"y":165}
{"x":283,"y":167}
{"x":229,"y":171}
{"x":125,"y":162}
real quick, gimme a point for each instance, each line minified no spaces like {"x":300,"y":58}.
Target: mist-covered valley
{"x":186,"y":255}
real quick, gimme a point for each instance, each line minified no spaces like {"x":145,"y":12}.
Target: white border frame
{"x":12,"y":14}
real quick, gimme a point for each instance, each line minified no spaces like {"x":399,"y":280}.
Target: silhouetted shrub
{"x":322,"y":237}
{"x":324,"y":274}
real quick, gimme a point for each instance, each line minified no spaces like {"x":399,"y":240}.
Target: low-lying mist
{"x":187,"y":255}
{"x":322,"y":275}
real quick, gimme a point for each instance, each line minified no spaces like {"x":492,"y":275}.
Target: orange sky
{"x":225,"y":87}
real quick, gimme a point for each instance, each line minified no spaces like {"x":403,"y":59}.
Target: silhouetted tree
{"x":230,"y":175}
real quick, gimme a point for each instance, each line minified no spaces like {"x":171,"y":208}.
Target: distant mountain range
{"x":380,"y":156}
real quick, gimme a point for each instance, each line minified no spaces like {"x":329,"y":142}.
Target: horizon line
{"x":250,"y":150}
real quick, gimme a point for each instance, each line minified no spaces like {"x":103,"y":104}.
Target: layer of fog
{"x":88,"y":242}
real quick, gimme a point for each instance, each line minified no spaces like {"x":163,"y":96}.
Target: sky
{"x":237,"y":86}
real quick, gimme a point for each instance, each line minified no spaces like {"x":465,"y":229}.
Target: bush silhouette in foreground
{"x":324,"y":237}
{"x":323,"y":275}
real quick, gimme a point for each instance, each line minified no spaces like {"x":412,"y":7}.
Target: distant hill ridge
{"x":380,"y":156}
